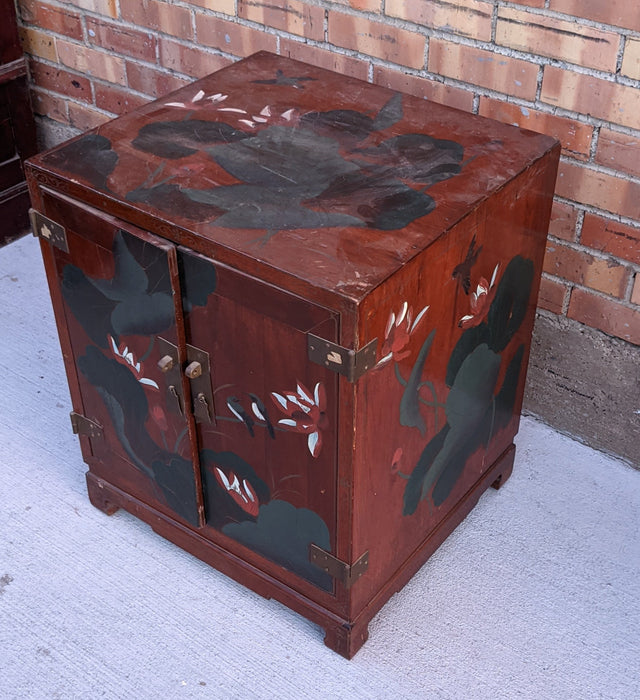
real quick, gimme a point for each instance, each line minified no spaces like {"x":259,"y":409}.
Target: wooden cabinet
{"x":295,"y":311}
{"x":17,"y":129}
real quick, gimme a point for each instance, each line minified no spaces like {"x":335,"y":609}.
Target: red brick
{"x":231,"y":37}
{"x":550,"y":36}
{"x":423,"y":87}
{"x":620,"y":13}
{"x":189,"y":59}
{"x":614,"y":194}
{"x":122,"y":40}
{"x":345,"y":65}
{"x":367,"y":5}
{"x":152,"y":81}
{"x":580,"y":267}
{"x":170,"y":19}
{"x":479,"y":67}
{"x":97,"y":64}
{"x":529,"y":3}
{"x":563,"y":222}
{"x":116,"y":100}
{"x":631,"y":59}
{"x":56,"y":19}
{"x":49,"y":106}
{"x":586,"y":94}
{"x":552,"y":295}
{"x":37,"y":43}
{"x":60,"y":81}
{"x":377,"y":39}
{"x":470,"y":18}
{"x":102,"y":7}
{"x":607,"y":315}
{"x":290,"y":16}
{"x":611,"y":237}
{"x":574,"y":136}
{"x":619,"y":151}
{"x":85,"y":118}
{"x":225,"y":7}
{"x":635,"y":294}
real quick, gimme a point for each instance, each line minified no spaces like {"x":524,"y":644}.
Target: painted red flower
{"x":480,"y":301}
{"x":395,"y":461}
{"x":125,"y":357}
{"x":398,"y":332}
{"x":159,"y":417}
{"x":305,"y":413}
{"x":242,"y":493}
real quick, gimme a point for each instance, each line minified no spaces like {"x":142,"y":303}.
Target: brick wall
{"x":570,"y":68}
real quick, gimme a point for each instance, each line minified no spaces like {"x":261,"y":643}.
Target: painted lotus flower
{"x":125,"y":357}
{"x":398,"y":332}
{"x":480,"y":301}
{"x":198,"y":100}
{"x":242,"y":493}
{"x":305,"y":413}
{"x":248,"y":119}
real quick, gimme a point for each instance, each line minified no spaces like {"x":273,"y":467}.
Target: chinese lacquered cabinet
{"x":295,"y":311}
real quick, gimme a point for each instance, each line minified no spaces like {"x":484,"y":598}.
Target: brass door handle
{"x":165,"y":363}
{"x":194,"y":370}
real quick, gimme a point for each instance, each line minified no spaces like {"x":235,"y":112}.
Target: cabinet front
{"x":198,"y":380}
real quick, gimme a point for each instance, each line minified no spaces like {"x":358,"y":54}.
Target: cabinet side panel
{"x":442,"y":404}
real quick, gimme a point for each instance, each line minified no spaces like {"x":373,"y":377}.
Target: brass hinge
{"x":49,"y":230}
{"x":350,"y":363}
{"x":82,"y":425}
{"x":347,"y":574}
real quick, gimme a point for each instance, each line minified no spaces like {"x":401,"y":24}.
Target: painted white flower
{"x":305,"y":413}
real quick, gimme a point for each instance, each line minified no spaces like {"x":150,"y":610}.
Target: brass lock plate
{"x":199,"y":373}
{"x":169,"y":365}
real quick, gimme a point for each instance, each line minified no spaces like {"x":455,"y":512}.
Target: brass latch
{"x":350,"y":363}
{"x":347,"y":574}
{"x":81,"y":425}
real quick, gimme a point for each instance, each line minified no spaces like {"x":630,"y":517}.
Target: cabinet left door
{"x":120,"y":308}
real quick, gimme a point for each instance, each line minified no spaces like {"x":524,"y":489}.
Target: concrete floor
{"x":534,"y":596}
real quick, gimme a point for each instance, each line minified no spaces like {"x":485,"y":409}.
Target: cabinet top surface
{"x":316,"y":175}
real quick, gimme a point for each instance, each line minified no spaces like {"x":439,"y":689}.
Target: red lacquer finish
{"x":246,"y":220}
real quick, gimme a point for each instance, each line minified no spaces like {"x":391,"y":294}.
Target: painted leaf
{"x":283,"y":533}
{"x":390,"y":114}
{"x":410,"y":415}
{"x":90,"y":157}
{"x":177,"y":139}
{"x":413,"y":489}
{"x":510,"y":303}
{"x":198,"y":279}
{"x":174,"y":475}
{"x":473,"y":388}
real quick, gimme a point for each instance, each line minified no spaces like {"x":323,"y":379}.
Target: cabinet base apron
{"x":342,"y":636}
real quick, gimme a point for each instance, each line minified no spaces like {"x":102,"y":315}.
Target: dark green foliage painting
{"x":477,"y":404}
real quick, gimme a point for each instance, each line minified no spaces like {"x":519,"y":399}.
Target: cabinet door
{"x":120,"y":294}
{"x":268,"y":454}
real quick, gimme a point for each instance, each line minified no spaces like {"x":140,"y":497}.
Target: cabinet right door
{"x":267,"y":432}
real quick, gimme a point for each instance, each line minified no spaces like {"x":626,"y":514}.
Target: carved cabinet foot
{"x":346,"y":639}
{"x":100,"y":496}
{"x":505,"y":465}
